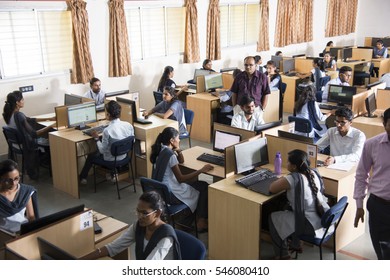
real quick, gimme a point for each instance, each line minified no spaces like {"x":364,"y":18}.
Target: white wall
{"x":48,"y":91}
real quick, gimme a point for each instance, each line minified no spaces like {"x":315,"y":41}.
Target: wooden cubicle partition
{"x":303,"y":65}
{"x":271,"y":114}
{"x":383,"y":99}
{"x":358,"y":103}
{"x":362,"y":54}
{"x":61,"y":116}
{"x":227,"y":80}
{"x":245,"y":134}
{"x":86,"y":99}
{"x":284,"y":146}
{"x":66,"y":234}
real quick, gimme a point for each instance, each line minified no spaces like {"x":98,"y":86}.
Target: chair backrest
{"x":158,"y":97}
{"x":123,"y":146}
{"x":191,"y":248}
{"x":154,"y":185}
{"x":189,"y":117}
{"x":335,"y":213}
{"x":13,"y":138}
{"x":283,"y":87}
{"x":301,"y":124}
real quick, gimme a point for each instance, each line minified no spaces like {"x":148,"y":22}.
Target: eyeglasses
{"x":10,"y":181}
{"x":341,"y":123}
{"x":249,"y":65}
{"x":347,"y":75}
{"x":144,"y":214}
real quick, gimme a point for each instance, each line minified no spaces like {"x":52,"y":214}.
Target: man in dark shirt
{"x":250,"y":82}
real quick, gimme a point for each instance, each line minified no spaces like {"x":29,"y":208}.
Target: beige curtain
{"x":213,"y":41}
{"x":82,"y":70}
{"x":119,"y":50}
{"x":191,"y":41}
{"x":294,"y":22}
{"x":341,"y":17}
{"x":263,"y":41}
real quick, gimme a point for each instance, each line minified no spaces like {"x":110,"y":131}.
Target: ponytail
{"x":163,"y":138}
{"x":156,"y":148}
{"x":314,"y":189}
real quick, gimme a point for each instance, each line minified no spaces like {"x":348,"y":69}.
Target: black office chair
{"x":158,"y":97}
{"x":322,"y":83}
{"x":191,"y":248}
{"x":14,"y":142}
{"x":331,"y":218}
{"x":301,"y":124}
{"x":118,"y":148}
{"x":189,"y":117}
{"x":166,"y":194}
{"x":360,"y":77}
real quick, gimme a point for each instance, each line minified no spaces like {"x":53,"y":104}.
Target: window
{"x":239,"y":24}
{"x":155,"y":31}
{"x":34,"y":42}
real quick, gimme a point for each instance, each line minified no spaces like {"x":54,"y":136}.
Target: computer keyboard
{"x":256,"y":177}
{"x":99,"y":129}
{"x":213,"y":159}
{"x":327,"y":106}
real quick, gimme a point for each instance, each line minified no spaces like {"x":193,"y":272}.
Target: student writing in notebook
{"x":305,"y":194}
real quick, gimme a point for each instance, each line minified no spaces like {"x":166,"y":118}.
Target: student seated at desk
{"x":16,"y":205}
{"x":207,"y":65}
{"x":31,"y":137}
{"x":346,"y":142}
{"x":153,"y":238}
{"x":116,"y":130}
{"x":166,"y":156}
{"x":316,"y":73}
{"x":247,"y":118}
{"x":386,"y":79}
{"x":329,"y":62}
{"x":305,"y":189}
{"x":329,"y":44}
{"x":273,"y":76}
{"x":345,"y":74}
{"x":170,"y":108}
{"x":166,"y":80}
{"x":380,"y":51}
{"x":95,"y":92}
{"x":306,"y":107}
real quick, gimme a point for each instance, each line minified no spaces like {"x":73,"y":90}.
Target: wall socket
{"x":26,"y":88}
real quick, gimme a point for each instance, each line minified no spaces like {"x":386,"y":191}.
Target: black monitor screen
{"x":347,"y":53}
{"x":50,"y":219}
{"x":200,"y":72}
{"x":297,"y":137}
{"x":299,"y":55}
{"x":341,"y":94}
{"x":115,"y":93}
{"x":370,"y":105}
{"x":276,"y":59}
{"x":288,"y":65}
{"x":71,"y":99}
{"x":223,"y":139}
{"x":334,"y":52}
{"x":250,"y":154}
{"x":49,"y":251}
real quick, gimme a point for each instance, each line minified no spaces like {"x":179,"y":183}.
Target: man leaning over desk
{"x":346,"y":142}
{"x":250,"y":82}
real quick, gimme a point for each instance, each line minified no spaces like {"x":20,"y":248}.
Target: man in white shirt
{"x":95,"y":92}
{"x":346,"y":142}
{"x":248,"y":118}
{"x":345,"y":74}
{"x":386,"y":78}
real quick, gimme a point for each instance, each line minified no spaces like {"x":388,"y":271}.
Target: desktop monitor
{"x":297,"y":137}
{"x":370,"y":105}
{"x":299,"y":55}
{"x":50,"y":219}
{"x":288,"y":65}
{"x":82,"y":114}
{"x":334,"y":52}
{"x":200,"y":72}
{"x":213,"y":81}
{"x":49,"y":251}
{"x":115,"y":93}
{"x":228,"y":69}
{"x":277,"y":59}
{"x":342,"y":95}
{"x":71,"y":99}
{"x":250,"y":154}
{"x":223,"y":139}
{"x":346,"y":53}
{"x":129,"y":110}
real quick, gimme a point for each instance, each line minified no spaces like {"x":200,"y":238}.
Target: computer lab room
{"x":194,"y":130}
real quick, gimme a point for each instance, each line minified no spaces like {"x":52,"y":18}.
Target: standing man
{"x":95,"y":92}
{"x":250,"y":82}
{"x":247,"y":118}
{"x":375,"y":159}
{"x":345,"y":74}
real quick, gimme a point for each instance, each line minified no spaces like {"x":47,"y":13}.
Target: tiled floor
{"x":105,"y":201}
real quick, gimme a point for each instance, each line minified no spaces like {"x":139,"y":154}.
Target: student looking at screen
{"x":345,"y":74}
{"x":346,"y":142}
{"x":95,"y":92}
{"x":380,"y":51}
{"x":305,"y":190}
{"x":166,"y":80}
{"x":207,"y":65}
{"x":16,"y":206}
{"x":329,"y":62}
{"x":154,"y":239}
{"x":247,"y":118}
{"x":116,"y":130}
{"x":166,"y":156}
{"x":170,"y":108}
{"x":273,"y":76}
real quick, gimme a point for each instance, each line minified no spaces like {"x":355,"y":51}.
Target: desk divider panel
{"x":303,"y":65}
{"x":65,"y":234}
{"x":245,"y":134}
{"x":288,"y":127}
{"x":358,"y":103}
{"x":284,"y":146}
{"x":125,"y":96}
{"x":362,"y":54}
{"x":383,"y":99}
{"x":200,"y":84}
{"x":61,"y":116}
{"x":227,"y":80}
{"x":86,"y":99}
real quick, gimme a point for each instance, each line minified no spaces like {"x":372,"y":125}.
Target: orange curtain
{"x":119,"y":50}
{"x":341,"y":18}
{"x":263,"y":41}
{"x":294,"y":22}
{"x":191,"y":43}
{"x":82,"y":70}
{"x":213,"y":41}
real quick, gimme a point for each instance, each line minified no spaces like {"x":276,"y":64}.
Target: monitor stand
{"x":82,"y":127}
{"x":369,"y":115}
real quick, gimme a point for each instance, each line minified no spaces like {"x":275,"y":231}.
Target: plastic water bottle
{"x":278,"y":164}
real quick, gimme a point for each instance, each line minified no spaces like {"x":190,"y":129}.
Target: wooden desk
{"x":204,"y":106}
{"x":69,"y":147}
{"x":356,"y":66}
{"x":370,"y":126}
